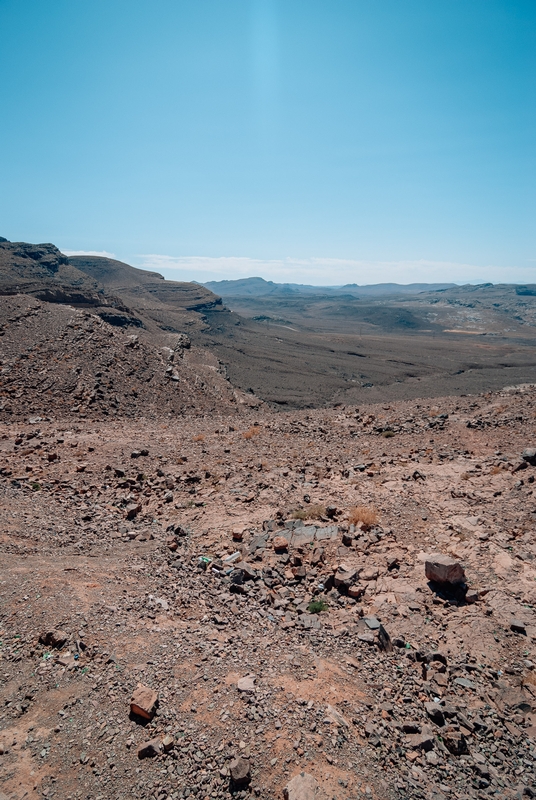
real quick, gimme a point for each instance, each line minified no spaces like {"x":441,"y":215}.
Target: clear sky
{"x":321,"y":141}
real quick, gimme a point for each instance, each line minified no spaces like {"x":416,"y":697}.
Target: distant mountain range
{"x":258,"y":287}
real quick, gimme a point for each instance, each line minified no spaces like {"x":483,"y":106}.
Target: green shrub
{"x":316,"y":606}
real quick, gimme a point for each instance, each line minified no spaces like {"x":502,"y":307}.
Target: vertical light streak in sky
{"x":265,"y":68}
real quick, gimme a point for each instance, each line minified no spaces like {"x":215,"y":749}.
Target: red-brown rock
{"x":143,"y":701}
{"x":443,"y":569}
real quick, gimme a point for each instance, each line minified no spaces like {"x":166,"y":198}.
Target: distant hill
{"x":258,"y":287}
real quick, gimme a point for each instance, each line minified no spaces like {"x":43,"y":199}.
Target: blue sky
{"x":300,"y":140}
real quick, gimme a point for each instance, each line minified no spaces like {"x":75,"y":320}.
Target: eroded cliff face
{"x":137,"y":284}
{"x":122,"y":295}
{"x":33,"y":267}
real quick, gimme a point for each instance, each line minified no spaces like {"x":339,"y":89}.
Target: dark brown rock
{"x":240,"y":770}
{"x":443,"y":569}
{"x":55,"y":638}
{"x":454,"y":741}
{"x":150,"y":749}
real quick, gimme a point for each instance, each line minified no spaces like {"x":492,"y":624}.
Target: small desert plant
{"x":366,"y":516}
{"x":496,"y":470}
{"x":198,"y":438}
{"x":388,"y":434}
{"x":316,"y":606}
{"x":465,"y":476}
{"x":311,"y":512}
{"x":253,"y":431}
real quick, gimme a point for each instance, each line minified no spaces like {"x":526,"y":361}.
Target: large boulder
{"x":443,"y":569}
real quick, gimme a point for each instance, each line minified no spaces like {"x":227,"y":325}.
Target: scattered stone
{"x":472,"y":596}
{"x":518,"y":627}
{"x":344,"y":577}
{"x":421,"y":741}
{"x":302,"y":787}
{"x":132,"y":510}
{"x":443,"y":569}
{"x":529,"y":455}
{"x":150,"y":749}
{"x":384,"y":640}
{"x":435,"y":713}
{"x":246,"y":684}
{"x":372,"y":623}
{"x":337,"y":717}
{"x":54,"y":638}
{"x":465,"y":683}
{"x":240,"y":771}
{"x":454,"y":741}
{"x":143,"y":702}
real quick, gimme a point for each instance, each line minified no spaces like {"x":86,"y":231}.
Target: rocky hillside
{"x":60,"y":361}
{"x":103,"y":339}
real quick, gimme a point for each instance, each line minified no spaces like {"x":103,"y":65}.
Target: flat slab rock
{"x":306,"y":534}
{"x":246,"y":684}
{"x":443,"y":569}
{"x":303,"y":787}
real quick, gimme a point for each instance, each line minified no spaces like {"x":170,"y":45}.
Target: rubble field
{"x":331,"y":604}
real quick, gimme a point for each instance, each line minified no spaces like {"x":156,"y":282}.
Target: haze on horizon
{"x":301,"y":141}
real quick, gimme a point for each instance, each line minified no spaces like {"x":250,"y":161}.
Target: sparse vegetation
{"x":388,"y":434}
{"x":366,"y":516}
{"x":253,"y":431}
{"x":496,"y":470}
{"x":198,"y":438}
{"x":316,"y":606}
{"x":311,"y":512}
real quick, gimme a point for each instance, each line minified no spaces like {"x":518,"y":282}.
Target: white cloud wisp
{"x":101,"y":253}
{"x":330,"y":271}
